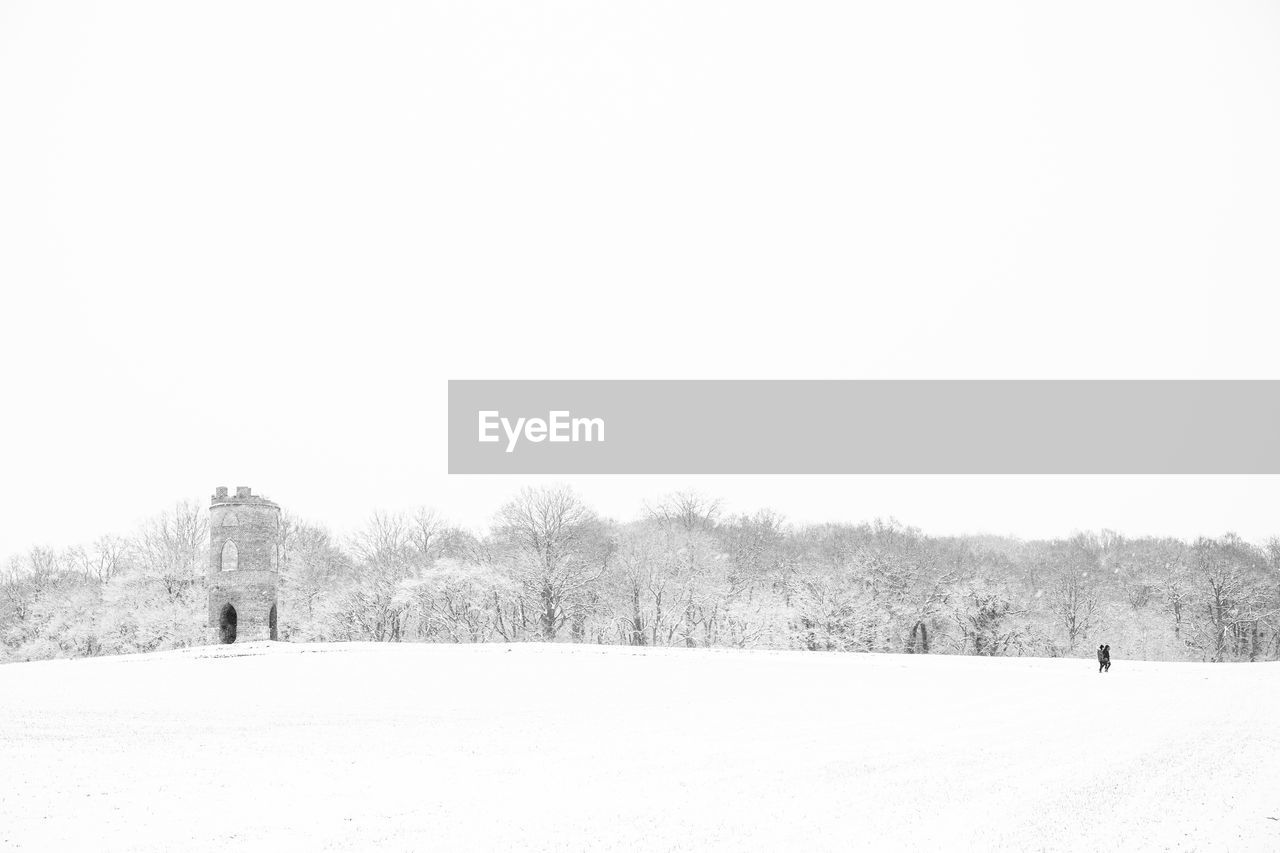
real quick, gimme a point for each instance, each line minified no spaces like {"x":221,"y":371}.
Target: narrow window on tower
{"x":229,"y":557}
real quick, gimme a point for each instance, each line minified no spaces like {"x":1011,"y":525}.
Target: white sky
{"x":248,"y":243}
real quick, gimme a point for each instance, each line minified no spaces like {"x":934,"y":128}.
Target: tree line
{"x":550,"y":569}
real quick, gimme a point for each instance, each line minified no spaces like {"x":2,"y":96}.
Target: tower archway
{"x":227,"y":623}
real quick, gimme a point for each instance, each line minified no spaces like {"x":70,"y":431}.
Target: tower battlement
{"x":243,"y":494}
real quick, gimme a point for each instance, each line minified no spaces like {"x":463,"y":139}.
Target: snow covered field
{"x":424,"y":747}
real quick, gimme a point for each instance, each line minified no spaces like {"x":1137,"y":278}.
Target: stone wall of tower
{"x":252,"y":523}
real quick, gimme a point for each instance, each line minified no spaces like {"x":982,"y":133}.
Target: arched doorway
{"x":227,"y":624}
{"x":918,"y":643}
{"x":271,"y":619}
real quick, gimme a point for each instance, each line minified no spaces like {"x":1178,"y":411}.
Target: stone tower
{"x":244,"y":566}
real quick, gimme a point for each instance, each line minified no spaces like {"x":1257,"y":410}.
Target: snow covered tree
{"x":555,"y":548}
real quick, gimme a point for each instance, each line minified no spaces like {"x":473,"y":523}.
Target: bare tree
{"x":555,"y":547}
{"x":172,"y":548}
{"x":1237,"y":604}
{"x":101,"y":561}
{"x":426,"y":530}
{"x":688,"y":510}
{"x":386,"y":556}
{"x":1073,"y":570}
{"x":988,"y":624}
{"x":637,"y":577}
{"x":453,"y":601}
{"x":312,"y":566}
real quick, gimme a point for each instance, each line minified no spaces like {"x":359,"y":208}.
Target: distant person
{"x":1102,"y":657}
{"x":1106,"y":658}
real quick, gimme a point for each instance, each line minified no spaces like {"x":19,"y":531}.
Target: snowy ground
{"x":414,"y":747}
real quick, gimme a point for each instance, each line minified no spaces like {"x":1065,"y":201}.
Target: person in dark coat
{"x":1102,"y":658}
{"x":1106,"y":658}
